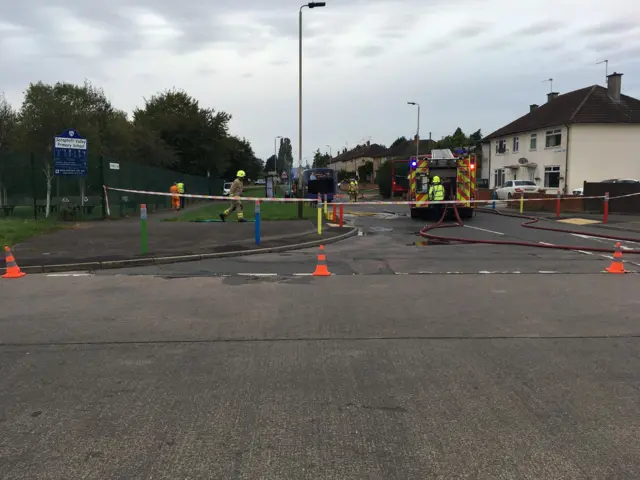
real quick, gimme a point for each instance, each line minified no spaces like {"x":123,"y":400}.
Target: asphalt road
{"x":387,"y":245}
{"x":182,"y":373}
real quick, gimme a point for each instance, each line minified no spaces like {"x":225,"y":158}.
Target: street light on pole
{"x":310,"y":5}
{"x":275,"y":153}
{"x":417,"y":130}
{"x":330,"y":154}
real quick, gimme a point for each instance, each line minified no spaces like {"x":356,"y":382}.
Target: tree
{"x":285,"y":155}
{"x":270,"y":164}
{"x":8,"y":124}
{"x":320,"y":160}
{"x":195,"y":134}
{"x":399,"y":141}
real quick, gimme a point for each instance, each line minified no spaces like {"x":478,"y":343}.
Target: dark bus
{"x":320,"y":181}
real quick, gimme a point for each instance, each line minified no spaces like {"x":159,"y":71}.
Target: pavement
{"x":437,"y":361}
{"x":120,"y":240}
{"x":615,"y":221}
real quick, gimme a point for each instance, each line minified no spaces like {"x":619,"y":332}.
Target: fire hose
{"x":529,"y":222}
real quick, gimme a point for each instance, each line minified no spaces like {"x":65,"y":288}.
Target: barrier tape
{"x":374,"y":202}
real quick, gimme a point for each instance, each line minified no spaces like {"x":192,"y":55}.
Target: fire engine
{"x":457,"y":175}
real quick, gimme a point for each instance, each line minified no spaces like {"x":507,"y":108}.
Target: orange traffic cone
{"x":13,"y":270}
{"x":617,"y":265}
{"x":321,"y":268}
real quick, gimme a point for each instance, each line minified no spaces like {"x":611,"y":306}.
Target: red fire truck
{"x":457,"y":174}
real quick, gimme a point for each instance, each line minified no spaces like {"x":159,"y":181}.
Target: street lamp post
{"x":330,"y":154}
{"x":417,"y":130}
{"x":310,"y":5}
{"x":275,"y":153}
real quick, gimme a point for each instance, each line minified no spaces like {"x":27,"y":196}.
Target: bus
{"x":320,"y":181}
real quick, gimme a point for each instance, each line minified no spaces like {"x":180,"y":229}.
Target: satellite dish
{"x":523,"y":161}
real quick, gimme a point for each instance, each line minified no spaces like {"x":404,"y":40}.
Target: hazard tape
{"x":374,"y":202}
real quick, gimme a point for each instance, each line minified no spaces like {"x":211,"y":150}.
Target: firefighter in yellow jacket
{"x":235,"y":191}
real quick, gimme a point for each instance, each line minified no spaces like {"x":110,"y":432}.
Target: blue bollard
{"x":494,"y":195}
{"x":257,"y":221}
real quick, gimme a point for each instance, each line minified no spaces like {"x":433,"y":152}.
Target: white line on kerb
{"x":303,"y":274}
{"x":484,"y":230}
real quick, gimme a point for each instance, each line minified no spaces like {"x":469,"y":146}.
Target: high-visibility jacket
{"x":180,"y":187}
{"x":173,"y":189}
{"x":436,"y":192}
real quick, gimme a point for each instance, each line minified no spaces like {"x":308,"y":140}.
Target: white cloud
{"x":470,"y":63}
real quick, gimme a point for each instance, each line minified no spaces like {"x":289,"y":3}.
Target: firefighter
{"x":235,"y":191}
{"x":352,"y":190}
{"x":357,"y":189}
{"x":181,"y":190}
{"x":436,"y":190}
{"x":175,"y":199}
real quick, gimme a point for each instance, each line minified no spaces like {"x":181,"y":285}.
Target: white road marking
{"x":484,"y":230}
{"x":69,"y":274}
{"x":303,"y":274}
{"x":258,"y":274}
{"x":546,"y":271}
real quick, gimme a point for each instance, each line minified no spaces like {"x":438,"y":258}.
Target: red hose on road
{"x":528,"y":223}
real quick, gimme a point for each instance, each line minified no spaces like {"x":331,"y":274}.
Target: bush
{"x":383,"y":179}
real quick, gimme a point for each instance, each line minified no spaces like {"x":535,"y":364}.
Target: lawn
{"x":15,"y":230}
{"x":268,"y":211}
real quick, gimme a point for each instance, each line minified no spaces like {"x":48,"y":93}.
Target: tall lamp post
{"x":330,"y":154}
{"x":275,"y":153}
{"x":310,"y":5}
{"x":417,"y":130}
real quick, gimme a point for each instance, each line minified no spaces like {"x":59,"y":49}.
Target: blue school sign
{"x":70,"y":155}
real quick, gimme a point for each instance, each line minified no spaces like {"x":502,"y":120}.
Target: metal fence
{"x":24,"y":184}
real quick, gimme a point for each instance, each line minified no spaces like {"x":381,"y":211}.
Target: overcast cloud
{"x":469,"y":63}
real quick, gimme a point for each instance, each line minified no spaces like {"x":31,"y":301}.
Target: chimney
{"x":614,"y":83}
{"x":532,"y":107}
{"x":551,"y":96}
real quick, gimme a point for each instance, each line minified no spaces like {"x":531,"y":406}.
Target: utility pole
{"x":417,"y":129}
{"x":310,"y":5}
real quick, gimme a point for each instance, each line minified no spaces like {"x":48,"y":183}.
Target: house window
{"x":554,"y":138}
{"x":533,"y":143}
{"x":498,"y":177}
{"x":552,"y":176}
{"x":501,"y":146}
{"x":516,"y":143}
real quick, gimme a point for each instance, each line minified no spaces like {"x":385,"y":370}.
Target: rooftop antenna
{"x":606,"y":70}
{"x":550,"y":80}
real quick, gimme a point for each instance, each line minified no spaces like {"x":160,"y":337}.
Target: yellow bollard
{"x":521,"y":202}
{"x":325,"y":204}
{"x":319,"y":218}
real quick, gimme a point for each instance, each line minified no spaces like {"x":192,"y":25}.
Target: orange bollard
{"x":321,"y":268}
{"x":13,"y":270}
{"x":617,"y":265}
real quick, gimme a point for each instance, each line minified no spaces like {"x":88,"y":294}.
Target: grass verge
{"x":16,"y":230}
{"x":268,"y":211}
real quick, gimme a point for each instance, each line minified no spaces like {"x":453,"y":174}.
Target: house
{"x":357,"y":157}
{"x":404,"y":151}
{"x":590,"y":134}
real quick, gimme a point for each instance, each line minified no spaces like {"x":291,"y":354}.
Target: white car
{"x":226,"y":189}
{"x":513,"y":188}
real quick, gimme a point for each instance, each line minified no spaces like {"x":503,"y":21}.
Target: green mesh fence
{"x":23,"y":187}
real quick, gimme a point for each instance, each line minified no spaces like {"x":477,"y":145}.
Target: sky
{"x":468,"y":63}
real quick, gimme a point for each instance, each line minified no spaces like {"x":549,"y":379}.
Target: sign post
{"x":70,"y":158}
{"x":257,"y":222}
